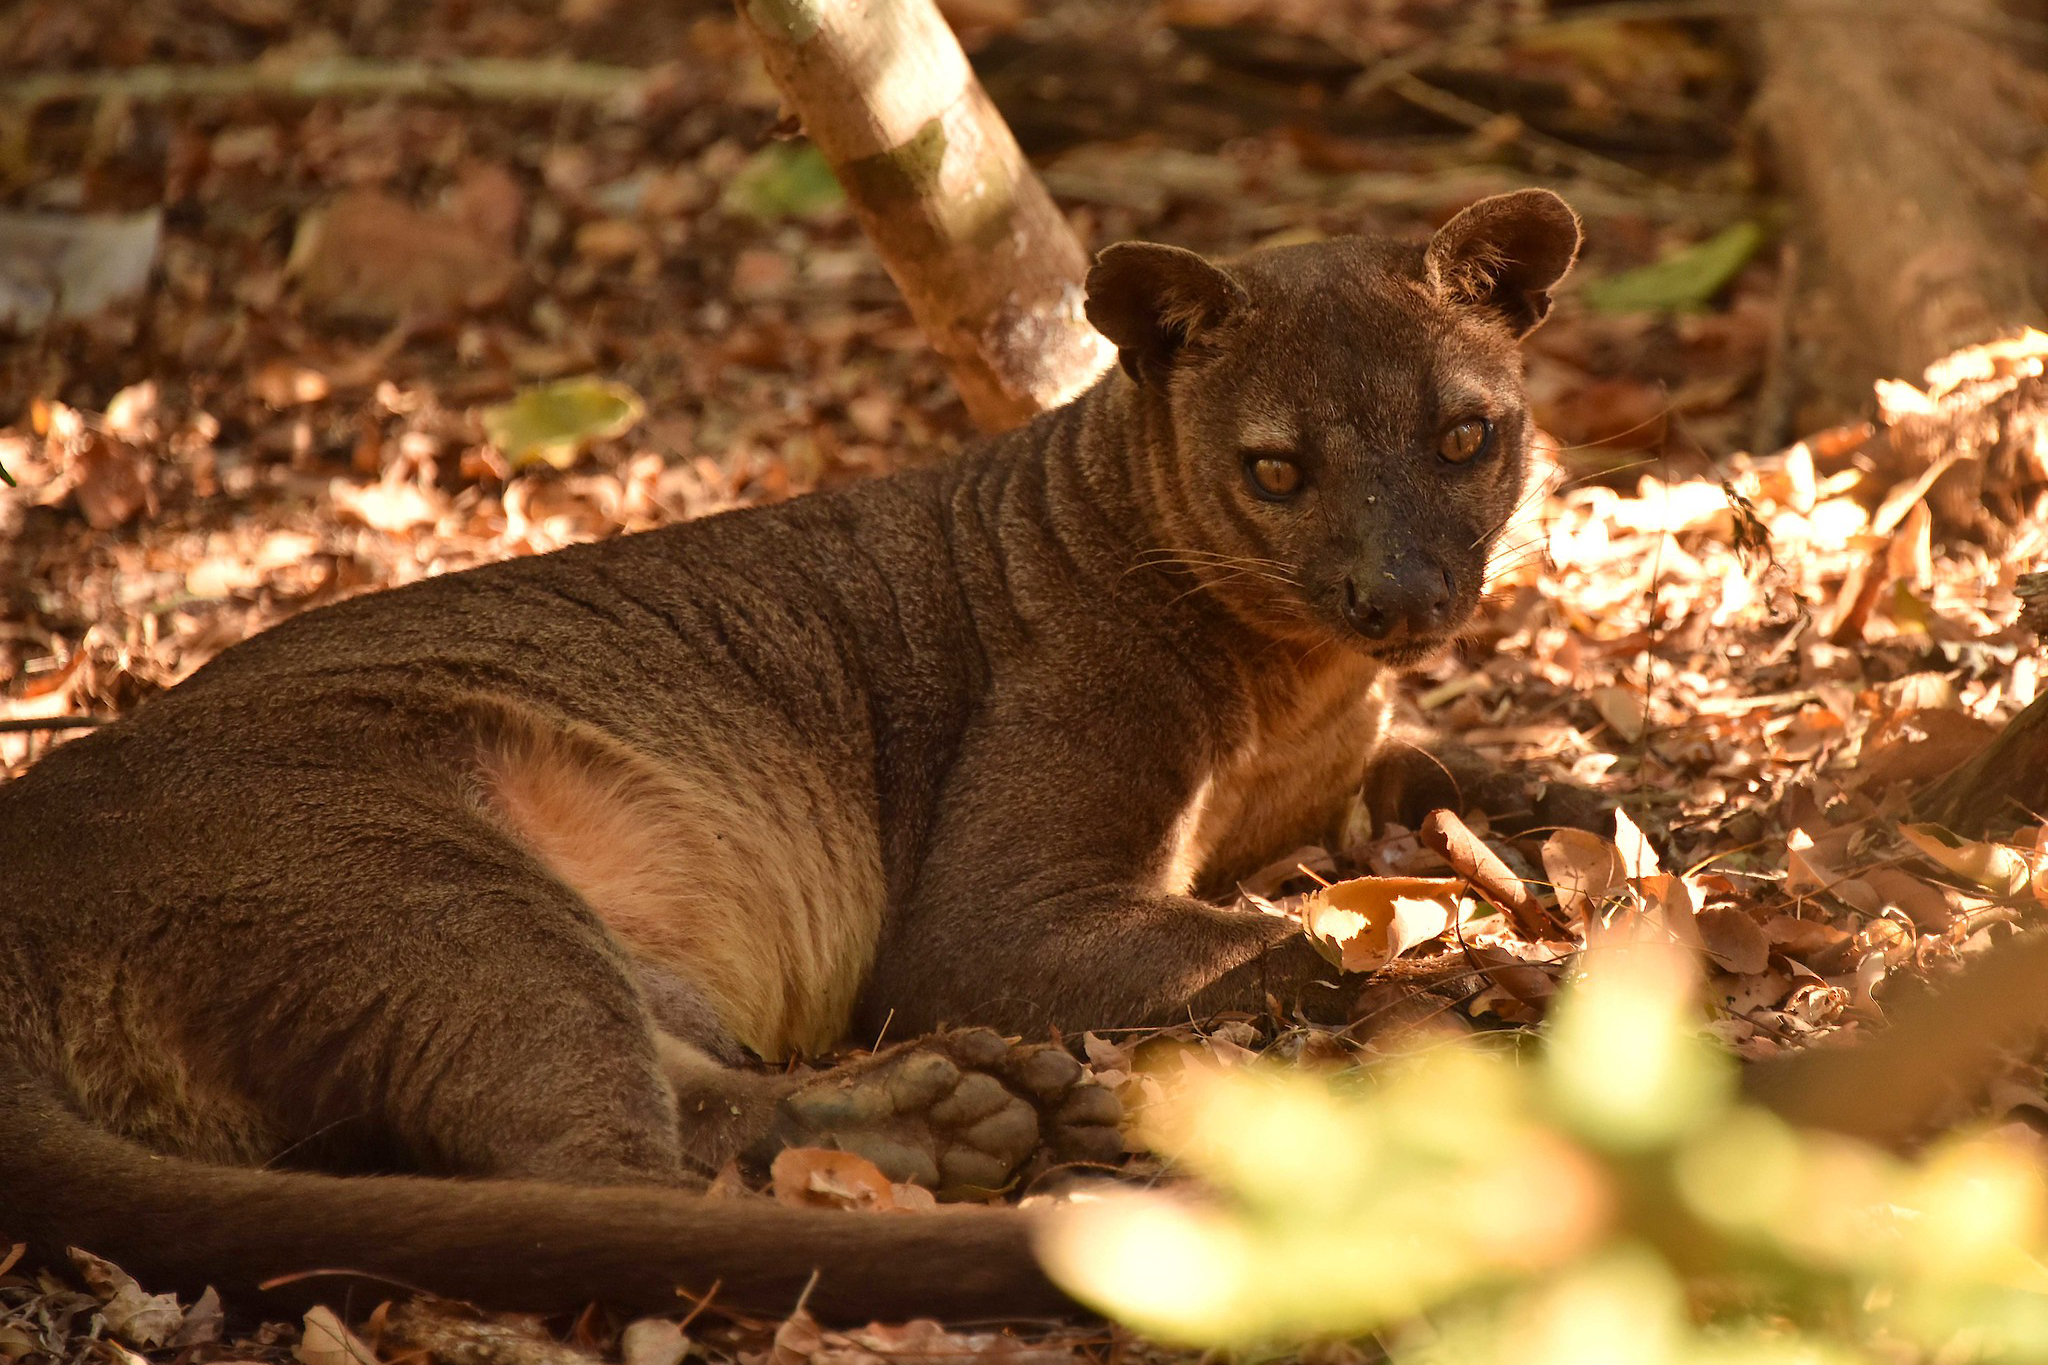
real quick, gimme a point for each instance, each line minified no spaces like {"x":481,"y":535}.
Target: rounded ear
{"x":1151,"y":300}
{"x":1504,"y":254}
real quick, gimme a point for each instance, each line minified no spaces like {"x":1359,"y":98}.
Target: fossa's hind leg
{"x":479,"y":1031}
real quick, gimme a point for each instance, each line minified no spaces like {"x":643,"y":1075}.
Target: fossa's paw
{"x":964,"y":1113}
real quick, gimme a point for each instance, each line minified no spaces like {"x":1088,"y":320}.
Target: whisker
{"x":1188,"y":558}
{"x":1217,"y":554}
{"x":1201,"y":586}
{"x":1200,"y":567}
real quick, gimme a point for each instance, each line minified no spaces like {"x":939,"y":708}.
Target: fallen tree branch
{"x":29,"y":725}
{"x":501,"y":79}
{"x":1905,"y":144}
{"x":1541,"y":147}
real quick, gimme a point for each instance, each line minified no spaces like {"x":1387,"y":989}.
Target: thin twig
{"x":1543,"y":146}
{"x":29,"y":725}
{"x":1769,"y":428}
{"x":503,"y":79}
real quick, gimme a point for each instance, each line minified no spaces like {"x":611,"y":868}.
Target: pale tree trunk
{"x":1904,"y":131}
{"x":989,"y":268}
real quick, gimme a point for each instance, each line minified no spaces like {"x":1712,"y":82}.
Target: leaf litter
{"x":379,"y":339}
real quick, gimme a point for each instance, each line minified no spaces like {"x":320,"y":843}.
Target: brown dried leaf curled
{"x":819,"y":1178}
{"x":135,"y":1317}
{"x":1733,"y":939}
{"x":1999,"y":869}
{"x":1586,"y":871}
{"x":1363,"y":924}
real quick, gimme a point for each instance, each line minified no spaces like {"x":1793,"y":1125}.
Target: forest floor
{"x":1720,"y":612}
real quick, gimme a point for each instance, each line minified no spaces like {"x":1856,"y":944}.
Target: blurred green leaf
{"x":1624,"y":1069}
{"x":1617,"y":1204}
{"x":1685,"y":279}
{"x":555,"y":423}
{"x":784,"y":180}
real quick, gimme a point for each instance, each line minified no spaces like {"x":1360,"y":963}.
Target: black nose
{"x":1406,"y":597}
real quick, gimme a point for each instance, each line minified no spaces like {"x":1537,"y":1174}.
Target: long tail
{"x":177,"y":1224}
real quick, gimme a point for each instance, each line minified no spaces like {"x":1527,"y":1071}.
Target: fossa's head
{"x":1344,"y":427}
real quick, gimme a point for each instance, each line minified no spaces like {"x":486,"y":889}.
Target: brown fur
{"x":488,"y":875}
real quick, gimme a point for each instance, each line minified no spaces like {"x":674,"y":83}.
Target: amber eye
{"x":1273,"y":478}
{"x":1465,"y":440}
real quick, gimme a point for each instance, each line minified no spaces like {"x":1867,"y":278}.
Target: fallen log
{"x":1904,"y":134}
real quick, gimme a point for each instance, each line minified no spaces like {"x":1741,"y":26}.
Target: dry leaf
{"x":1930,"y":907}
{"x":370,"y":256}
{"x":819,"y":1178}
{"x":1806,"y":940}
{"x":284,"y":384}
{"x":652,"y":1341}
{"x":1303,"y":861}
{"x":1637,"y":856}
{"x":922,"y":1341}
{"x":393,"y":507}
{"x":1585,"y":870}
{"x":1733,"y":939}
{"x":1624,"y":709}
{"x":1104,"y":1055}
{"x":1363,"y":924}
{"x":1744,"y":994}
{"x":135,"y":1317}
{"x":1804,"y":871}
{"x":1816,"y":1003}
{"x":2001,"y":870}
{"x":797,"y":1341}
{"x":1918,"y":745}
{"x":1673,"y":904}
{"x":1530,"y":982}
{"x":326,"y":1341}
{"x":72,"y":265}
{"x":203,"y":1321}
{"x":111,"y":481}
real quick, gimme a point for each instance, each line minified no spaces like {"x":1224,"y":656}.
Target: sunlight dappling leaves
{"x":1609,"y":1198}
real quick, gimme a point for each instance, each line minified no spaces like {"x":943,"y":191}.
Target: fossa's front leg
{"x":1049,"y":899}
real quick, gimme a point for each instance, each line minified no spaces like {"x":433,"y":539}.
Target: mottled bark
{"x":988,"y":266}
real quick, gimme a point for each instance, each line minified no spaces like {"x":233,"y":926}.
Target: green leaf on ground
{"x":784,"y":180}
{"x":1687,"y":278}
{"x":557,"y":422}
